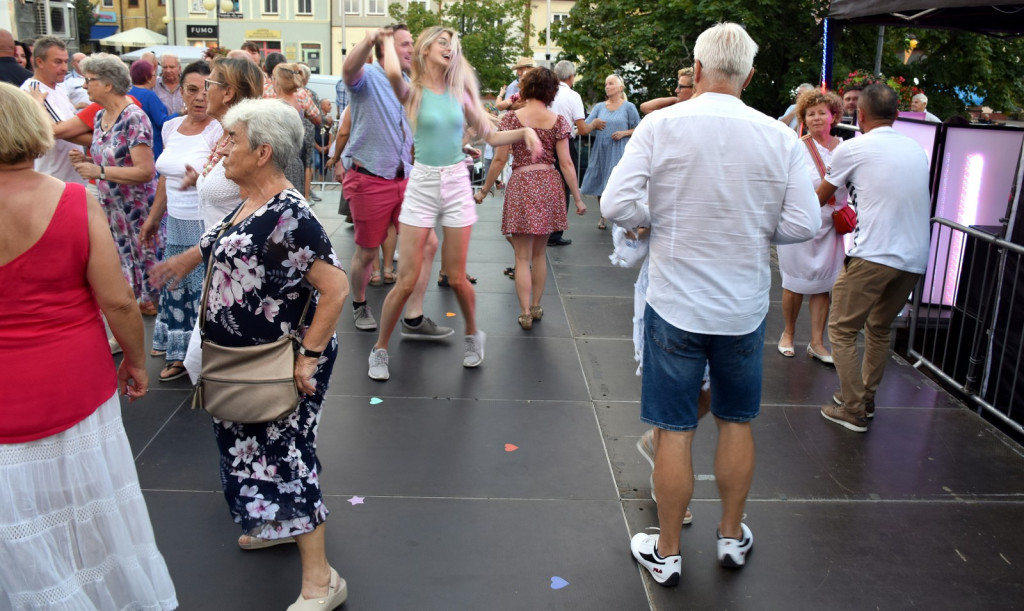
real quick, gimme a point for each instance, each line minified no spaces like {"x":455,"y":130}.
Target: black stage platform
{"x":517,"y":485}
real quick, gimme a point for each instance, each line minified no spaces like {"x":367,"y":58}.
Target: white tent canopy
{"x":135,"y":37}
{"x":185,"y":54}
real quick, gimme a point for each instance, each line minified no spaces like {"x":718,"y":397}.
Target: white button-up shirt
{"x":724,"y":182}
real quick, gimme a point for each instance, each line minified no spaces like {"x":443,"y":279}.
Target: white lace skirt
{"x":74,"y":530}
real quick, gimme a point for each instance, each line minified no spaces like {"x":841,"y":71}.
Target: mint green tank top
{"x":439,"y":128}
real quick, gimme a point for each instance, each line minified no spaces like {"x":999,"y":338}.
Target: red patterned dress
{"x":534,"y":199}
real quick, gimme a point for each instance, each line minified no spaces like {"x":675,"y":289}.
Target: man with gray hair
{"x":50,"y":66}
{"x":714,"y":209}
{"x":168,"y":87}
{"x":789,"y":117}
{"x":919,"y":103}
{"x":569,"y":104}
{"x":74,"y":83}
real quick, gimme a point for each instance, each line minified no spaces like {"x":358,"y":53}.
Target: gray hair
{"x":920,"y":97}
{"x":565,"y":70}
{"x":110,"y":70}
{"x":43,"y":45}
{"x":726,"y":51}
{"x":272,"y":122}
{"x":306,"y":73}
{"x":880,"y":101}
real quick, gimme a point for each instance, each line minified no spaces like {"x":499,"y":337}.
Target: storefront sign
{"x":262,"y":34}
{"x":201,"y":31}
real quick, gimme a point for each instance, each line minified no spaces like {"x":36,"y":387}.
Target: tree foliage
{"x":647,"y":42}
{"x":489,"y":30}
{"x":85,"y":12}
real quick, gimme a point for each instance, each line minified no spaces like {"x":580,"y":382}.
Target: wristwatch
{"x":313,"y":354}
{"x":103,"y":173}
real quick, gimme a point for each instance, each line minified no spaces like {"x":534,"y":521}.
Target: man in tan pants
{"x":886,"y":174}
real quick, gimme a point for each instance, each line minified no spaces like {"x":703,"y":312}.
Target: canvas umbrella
{"x":135,"y":37}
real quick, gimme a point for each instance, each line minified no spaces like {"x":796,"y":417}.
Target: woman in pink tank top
{"x":63,"y":449}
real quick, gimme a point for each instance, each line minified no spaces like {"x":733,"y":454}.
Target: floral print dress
{"x":127,"y":206}
{"x":269,"y":470}
{"x":534,"y":199}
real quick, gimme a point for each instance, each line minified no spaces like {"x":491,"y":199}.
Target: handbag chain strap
{"x":209,"y":274}
{"x":818,"y":161}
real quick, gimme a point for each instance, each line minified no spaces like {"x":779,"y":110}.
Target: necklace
{"x":215,"y":155}
{"x":108,"y":123}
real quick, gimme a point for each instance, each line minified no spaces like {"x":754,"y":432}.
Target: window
{"x":108,"y":3}
{"x":305,"y":7}
{"x":351,"y":7}
{"x":269,"y":7}
{"x":423,"y":3}
{"x":375,"y":7}
{"x":197,"y":7}
{"x":133,"y":3}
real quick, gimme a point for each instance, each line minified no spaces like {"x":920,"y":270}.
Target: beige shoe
{"x":536,"y":312}
{"x":337,"y":592}
{"x":248,"y":542}
{"x":526,"y":321}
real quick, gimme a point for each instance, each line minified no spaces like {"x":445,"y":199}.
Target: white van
{"x":324,"y":85}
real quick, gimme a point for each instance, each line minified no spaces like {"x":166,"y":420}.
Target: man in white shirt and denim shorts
{"x":724,"y":182}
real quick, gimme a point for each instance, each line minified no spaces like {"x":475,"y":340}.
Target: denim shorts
{"x":673,"y":370}
{"x":439,"y":193}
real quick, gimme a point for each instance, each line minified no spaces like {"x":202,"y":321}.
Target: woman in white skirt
{"x":810,"y":268}
{"x":74,"y":529}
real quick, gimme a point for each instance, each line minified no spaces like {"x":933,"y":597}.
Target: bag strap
{"x":818,"y":161}
{"x":209,"y":274}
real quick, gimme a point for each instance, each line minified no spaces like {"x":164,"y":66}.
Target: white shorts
{"x":438,"y":193}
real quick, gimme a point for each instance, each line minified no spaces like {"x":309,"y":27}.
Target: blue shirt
{"x":157,"y":113}
{"x":341,"y":96}
{"x":380,"y":139}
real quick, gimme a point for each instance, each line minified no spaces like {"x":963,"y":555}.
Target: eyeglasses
{"x":209,"y":82}
{"x":684,"y":86}
{"x":90,"y":79}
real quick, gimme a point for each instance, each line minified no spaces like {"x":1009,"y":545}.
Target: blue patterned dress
{"x":269,"y":470}
{"x":605,"y":153}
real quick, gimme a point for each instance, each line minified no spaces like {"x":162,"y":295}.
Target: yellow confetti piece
{"x":450,"y":314}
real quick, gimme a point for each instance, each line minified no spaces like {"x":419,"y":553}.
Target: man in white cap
{"x":524,"y":64}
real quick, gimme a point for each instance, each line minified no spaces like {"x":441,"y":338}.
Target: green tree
{"x":85,"y":12}
{"x":647,"y":42}
{"x":489,"y":30}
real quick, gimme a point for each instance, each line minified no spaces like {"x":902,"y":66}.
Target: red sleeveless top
{"x":55,"y":362}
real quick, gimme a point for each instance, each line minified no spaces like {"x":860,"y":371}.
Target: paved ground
{"x":517,"y":485}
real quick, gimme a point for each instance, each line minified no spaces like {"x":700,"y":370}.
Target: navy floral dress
{"x":269,"y":470}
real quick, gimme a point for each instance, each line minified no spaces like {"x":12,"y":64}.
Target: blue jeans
{"x":673,"y":370}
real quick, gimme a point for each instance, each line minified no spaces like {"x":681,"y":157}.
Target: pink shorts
{"x":375,"y":204}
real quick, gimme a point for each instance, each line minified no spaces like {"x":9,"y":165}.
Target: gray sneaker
{"x":364,"y":319}
{"x":474,"y":349}
{"x":379,"y":364}
{"x":427,"y":330}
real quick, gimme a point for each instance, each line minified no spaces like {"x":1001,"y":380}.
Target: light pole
{"x":225,"y":6}
{"x":169,"y":20}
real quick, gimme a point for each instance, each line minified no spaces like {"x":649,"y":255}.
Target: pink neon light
{"x":966,"y":214}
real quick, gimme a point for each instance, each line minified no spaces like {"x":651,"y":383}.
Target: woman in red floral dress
{"x":535,"y":197}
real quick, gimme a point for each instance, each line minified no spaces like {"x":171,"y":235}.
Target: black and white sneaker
{"x":664,"y":571}
{"x":732,"y":553}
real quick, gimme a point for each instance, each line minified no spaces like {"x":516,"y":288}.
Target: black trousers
{"x":574,"y":156}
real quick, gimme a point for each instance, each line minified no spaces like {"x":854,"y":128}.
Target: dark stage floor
{"x":517,"y":485}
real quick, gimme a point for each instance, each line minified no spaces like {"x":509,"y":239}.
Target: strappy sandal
{"x":391,"y":276}
{"x":155,"y":352}
{"x":173,"y":371}
{"x":526,"y":321}
{"x":536,"y":312}
{"x":375,"y":279}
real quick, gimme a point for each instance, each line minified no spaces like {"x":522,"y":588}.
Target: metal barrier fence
{"x":968,"y":316}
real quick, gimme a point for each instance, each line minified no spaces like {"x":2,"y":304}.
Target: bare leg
{"x":388,"y":248}
{"x":316,"y":572}
{"x":409,"y":262}
{"x":791,"y":304}
{"x":522,"y":246}
{"x":455,"y":247}
{"x":673,"y":479}
{"x":414,"y":305}
{"x":819,"y":317}
{"x":734,"y":470}
{"x":362,"y":261}
{"x":540,"y":267}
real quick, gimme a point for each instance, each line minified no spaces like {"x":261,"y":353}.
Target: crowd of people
{"x":185,"y":194}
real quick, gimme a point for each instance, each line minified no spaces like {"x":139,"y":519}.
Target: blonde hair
{"x":622,"y":84}
{"x":459,"y":79}
{"x":25,"y":130}
{"x":290,"y":75}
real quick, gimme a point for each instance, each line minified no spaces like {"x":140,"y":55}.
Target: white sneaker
{"x":664,"y":571}
{"x":379,"y":364}
{"x":474,"y":349}
{"x":363,"y":318}
{"x":732,"y":553}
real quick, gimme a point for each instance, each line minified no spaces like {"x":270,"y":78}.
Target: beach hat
{"x":523,"y":62}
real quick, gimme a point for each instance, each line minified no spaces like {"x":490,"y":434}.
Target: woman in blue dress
{"x":620,"y":117}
